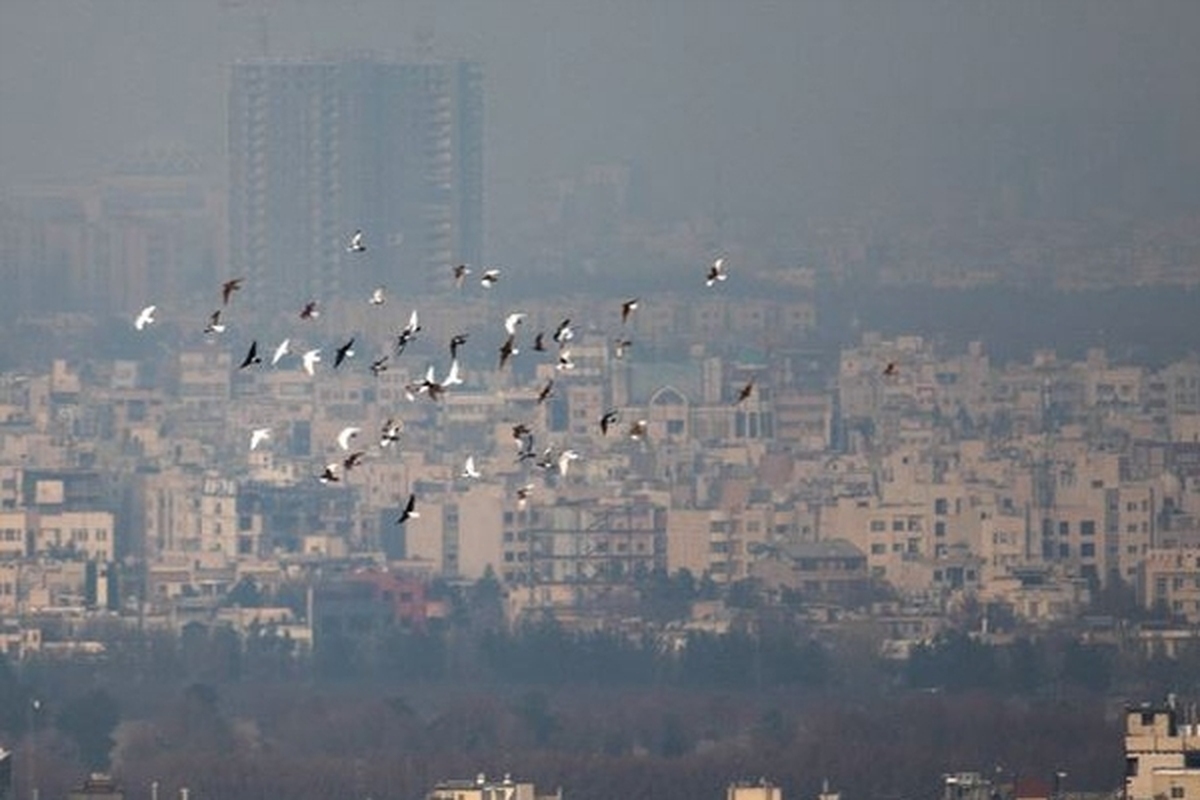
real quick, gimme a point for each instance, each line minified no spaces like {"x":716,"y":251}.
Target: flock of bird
{"x":434,"y":387}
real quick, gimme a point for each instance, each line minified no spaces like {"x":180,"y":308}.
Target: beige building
{"x":1161,"y":754}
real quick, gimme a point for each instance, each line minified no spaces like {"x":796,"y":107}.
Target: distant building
{"x":1162,"y":755}
{"x":320,"y":149}
{"x":98,"y":786}
{"x":6,"y":787}
{"x":757,"y":790}
{"x":484,"y":789}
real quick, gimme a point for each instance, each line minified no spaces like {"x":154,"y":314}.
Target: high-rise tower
{"x":319,"y":149}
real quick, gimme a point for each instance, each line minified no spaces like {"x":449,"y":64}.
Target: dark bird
{"x":490,"y":277}
{"x":638,"y":429}
{"x":508,"y":350}
{"x":390,"y":433}
{"x":627,"y":308}
{"x":546,"y":393}
{"x":609,"y":417}
{"x":228,"y":288}
{"x":344,"y":352}
{"x":379,"y":365}
{"x":310,"y":310}
{"x":891,"y":370}
{"x":410,"y":331}
{"x":460,"y":274}
{"x":353,"y":460}
{"x":214,"y":323}
{"x":410,"y":511}
{"x":520,"y":431}
{"x":744,"y":394}
{"x":563,"y":333}
{"x":330,"y":474}
{"x":456,"y":341}
{"x":539,"y":343}
{"x":251,"y":356}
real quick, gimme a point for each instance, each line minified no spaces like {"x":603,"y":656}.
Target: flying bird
{"x":457,"y":341}
{"x":282,"y":350}
{"x":539,"y":343}
{"x":310,"y":310}
{"x":258,"y":436}
{"x":608,"y":418}
{"x":357,"y":245}
{"x":744,"y":394}
{"x":343,"y":352}
{"x":512,"y":321}
{"x":563,"y":333}
{"x":251,"y":356}
{"x":564,"y":360}
{"x":891,"y":370}
{"x":228,"y":288}
{"x":508,"y":350}
{"x":490,"y":277}
{"x":410,"y":510}
{"x":310,"y":359}
{"x":627,"y":308}
{"x":353,"y":460}
{"x":546,"y":393}
{"x":469,"y":470}
{"x":214,"y":323}
{"x":523,"y":495}
{"x":452,"y":377}
{"x":405,"y":337}
{"x":379,"y":365}
{"x":390,"y":433}
{"x":716,"y":272}
{"x":564,"y":461}
{"x":460,"y":274}
{"x":347,"y":433}
{"x":329,"y":475}
{"x":377,"y":298}
{"x":638,"y":429}
{"x":146,"y":317}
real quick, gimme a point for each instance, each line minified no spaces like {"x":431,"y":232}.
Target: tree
{"x":89,"y":721}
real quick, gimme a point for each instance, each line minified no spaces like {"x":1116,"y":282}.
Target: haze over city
{"x":564,"y":400}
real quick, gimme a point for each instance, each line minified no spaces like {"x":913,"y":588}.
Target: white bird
{"x":356,"y":243}
{"x":490,"y":276}
{"x":452,"y":377}
{"x":512,"y":321}
{"x":281,"y":351}
{"x":258,"y":436}
{"x":564,"y":360}
{"x":391,"y":432}
{"x":716,"y":272}
{"x":469,"y":470}
{"x":564,"y":461}
{"x":310,"y":359}
{"x":377,"y":298}
{"x":146,"y":317}
{"x":348,"y":433}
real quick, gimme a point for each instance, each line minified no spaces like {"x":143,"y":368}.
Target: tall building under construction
{"x":319,"y":149}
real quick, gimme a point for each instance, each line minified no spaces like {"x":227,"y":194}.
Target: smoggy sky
{"x":790,"y":106}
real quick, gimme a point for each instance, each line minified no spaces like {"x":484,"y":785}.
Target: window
{"x":1087,"y":550}
{"x":878,"y":525}
{"x":941,"y":506}
{"x":1176,"y":792}
{"x":1064,"y":529}
{"x":1087,"y":527}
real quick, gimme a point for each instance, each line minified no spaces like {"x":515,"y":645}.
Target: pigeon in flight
{"x":891,"y":370}
{"x":343,"y":352}
{"x":457,"y":341}
{"x":609,"y":417}
{"x":523,"y":496}
{"x":258,"y":436}
{"x":377,"y":298}
{"x":469,"y":470}
{"x":251,"y":356}
{"x":564,"y":461}
{"x":744,"y":394}
{"x":512,"y":321}
{"x":379,"y":365}
{"x":563,"y":332}
{"x":347,"y":433}
{"x":490,"y":277}
{"x":228,"y":288}
{"x":310,"y":310}
{"x":564,"y":360}
{"x":508,"y":350}
{"x":638,"y":429}
{"x":452,"y":377}
{"x":282,"y":350}
{"x":329,"y":475}
{"x":353,"y":460}
{"x":539,"y":343}
{"x":357,"y":245}
{"x":410,"y":330}
{"x":310,"y":359}
{"x":460,"y":274}
{"x":214,"y":323}
{"x":627,"y":308}
{"x":716,"y":272}
{"x":546,"y":393}
{"x":410,"y":510}
{"x":146,"y":317}
{"x":390,"y":433}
